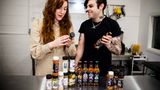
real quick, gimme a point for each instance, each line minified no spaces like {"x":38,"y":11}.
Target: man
{"x":100,"y":31}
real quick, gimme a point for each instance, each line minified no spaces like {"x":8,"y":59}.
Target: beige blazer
{"x":41,"y":52}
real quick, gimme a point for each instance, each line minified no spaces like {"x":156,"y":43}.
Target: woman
{"x":50,"y":36}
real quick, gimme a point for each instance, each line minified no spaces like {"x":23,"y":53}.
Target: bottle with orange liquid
{"x":90,"y":74}
{"x":79,"y":74}
{"x":85,"y":75}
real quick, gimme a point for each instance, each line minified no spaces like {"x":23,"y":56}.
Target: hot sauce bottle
{"x":79,"y":74}
{"x":90,"y":74}
{"x":85,"y":75}
{"x":96,"y":74}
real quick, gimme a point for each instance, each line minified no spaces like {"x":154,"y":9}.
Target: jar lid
{"x":48,"y":76}
{"x":110,"y":73}
{"x":60,"y":73}
{"x":55,"y":58}
{"x":65,"y":74}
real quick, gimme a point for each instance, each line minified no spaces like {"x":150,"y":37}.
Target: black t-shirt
{"x":103,"y":55}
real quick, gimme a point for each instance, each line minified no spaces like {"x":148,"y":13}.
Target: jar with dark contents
{"x":55,"y":65}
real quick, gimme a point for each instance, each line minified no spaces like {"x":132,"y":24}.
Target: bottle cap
{"x":55,"y":58}
{"x":65,"y":58}
{"x":60,"y":73}
{"x":111,"y":73}
{"x":48,"y":76}
{"x":65,"y":74}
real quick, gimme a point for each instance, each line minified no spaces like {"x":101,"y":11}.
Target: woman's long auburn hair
{"x":47,"y":31}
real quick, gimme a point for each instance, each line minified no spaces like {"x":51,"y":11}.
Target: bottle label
{"x":85,"y":77}
{"x":72,"y":65}
{"x":65,"y":66}
{"x":79,"y":78}
{"x":55,"y":83}
{"x":55,"y":68}
{"x":90,"y":77}
{"x":110,"y":82}
{"x":120,"y":83}
{"x":49,"y":85}
{"x":72,"y":79}
{"x":65,"y":81}
{"x":96,"y":78}
{"x":60,"y":81}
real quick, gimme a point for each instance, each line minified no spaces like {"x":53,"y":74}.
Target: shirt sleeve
{"x":37,"y":49}
{"x":116,"y":30}
{"x":82,"y":29}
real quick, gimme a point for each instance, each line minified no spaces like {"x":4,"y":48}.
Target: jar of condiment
{"x":55,"y":65}
{"x":110,"y":80}
{"x":48,"y":82}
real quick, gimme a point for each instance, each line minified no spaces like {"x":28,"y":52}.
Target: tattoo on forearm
{"x":115,"y":46}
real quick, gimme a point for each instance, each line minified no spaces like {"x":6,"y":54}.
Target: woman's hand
{"x":70,"y":41}
{"x":61,"y":41}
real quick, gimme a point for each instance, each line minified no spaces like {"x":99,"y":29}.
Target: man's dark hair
{"x":99,"y":2}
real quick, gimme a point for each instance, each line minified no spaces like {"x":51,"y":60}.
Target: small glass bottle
{"x":85,"y":74}
{"x":120,"y":83}
{"x":96,"y":74}
{"x":72,"y":64}
{"x":65,"y":80}
{"x":72,"y":79}
{"x":65,"y":64}
{"x":48,"y":82}
{"x":79,"y":74}
{"x":90,"y":74}
{"x":60,"y":80}
{"x":55,"y":82}
{"x":110,"y":80}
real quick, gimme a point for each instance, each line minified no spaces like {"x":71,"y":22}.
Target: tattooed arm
{"x":80,"y":49}
{"x":113,"y":44}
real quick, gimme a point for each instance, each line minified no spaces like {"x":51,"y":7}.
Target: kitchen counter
{"x":38,"y":83}
{"x":141,"y":83}
{"x":33,"y":83}
{"x":126,"y":56}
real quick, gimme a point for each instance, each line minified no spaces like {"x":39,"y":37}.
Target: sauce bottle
{"x":79,"y":74}
{"x":90,"y":74}
{"x":85,"y":75}
{"x":110,"y":80}
{"x":55,"y":65}
{"x":96,"y":74}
